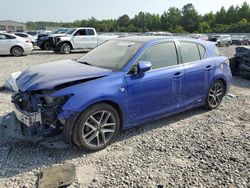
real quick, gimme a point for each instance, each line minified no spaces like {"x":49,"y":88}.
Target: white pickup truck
{"x":78,"y":38}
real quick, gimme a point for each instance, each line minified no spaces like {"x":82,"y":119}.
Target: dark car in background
{"x":43,"y":39}
{"x":240,"y":63}
{"x":240,"y":40}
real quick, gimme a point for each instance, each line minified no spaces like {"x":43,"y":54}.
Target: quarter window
{"x":189,"y":52}
{"x":161,"y":55}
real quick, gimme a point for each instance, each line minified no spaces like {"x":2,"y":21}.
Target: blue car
{"x":122,"y":83}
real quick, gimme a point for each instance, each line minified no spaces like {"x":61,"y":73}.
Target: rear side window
{"x":3,"y":37}
{"x":90,"y":32}
{"x":161,"y":55}
{"x":189,"y":52}
{"x":202,"y":51}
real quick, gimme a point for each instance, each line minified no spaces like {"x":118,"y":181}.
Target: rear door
{"x":85,"y":38}
{"x":157,"y":91}
{"x":197,"y":72}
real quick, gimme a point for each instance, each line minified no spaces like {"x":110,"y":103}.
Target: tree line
{"x":233,"y":20}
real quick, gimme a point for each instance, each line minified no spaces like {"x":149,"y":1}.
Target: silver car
{"x":14,"y":45}
{"x":222,"y":40}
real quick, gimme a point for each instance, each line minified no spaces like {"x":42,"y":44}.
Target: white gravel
{"x":198,"y":148}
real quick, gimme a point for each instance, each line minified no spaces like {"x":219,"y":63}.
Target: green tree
{"x":171,"y":18}
{"x":190,"y":18}
{"x":204,"y":27}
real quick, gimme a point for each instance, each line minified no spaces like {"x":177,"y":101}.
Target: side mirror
{"x":144,"y":66}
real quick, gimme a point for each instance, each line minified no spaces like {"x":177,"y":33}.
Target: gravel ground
{"x":197,"y":148}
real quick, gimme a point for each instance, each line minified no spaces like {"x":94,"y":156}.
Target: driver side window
{"x":160,"y":56}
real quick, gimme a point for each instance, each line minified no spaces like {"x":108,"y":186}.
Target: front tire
{"x":96,"y":127}
{"x":65,"y":48}
{"x":46,"y":45}
{"x":17,"y":51}
{"x":215,"y":95}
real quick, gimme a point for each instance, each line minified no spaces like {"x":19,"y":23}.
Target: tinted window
{"x":161,"y":55}
{"x":21,"y":35}
{"x":81,"y":32}
{"x":189,"y":52}
{"x":201,"y":50}
{"x":3,"y":37}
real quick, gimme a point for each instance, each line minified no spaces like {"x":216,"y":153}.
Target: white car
{"x":27,"y":36}
{"x":14,"y":45}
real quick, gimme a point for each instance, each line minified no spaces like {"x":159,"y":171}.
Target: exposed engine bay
{"x":38,"y":112}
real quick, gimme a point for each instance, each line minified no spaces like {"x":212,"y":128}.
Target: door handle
{"x":178,"y":75}
{"x":209,"y":67}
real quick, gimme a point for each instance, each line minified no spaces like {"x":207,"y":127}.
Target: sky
{"x":71,"y":10}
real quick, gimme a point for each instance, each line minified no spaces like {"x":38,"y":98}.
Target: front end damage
{"x":240,"y":63}
{"x":39,"y":113}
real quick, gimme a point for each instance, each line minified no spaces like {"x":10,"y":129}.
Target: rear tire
{"x":96,"y":127}
{"x":65,"y":48}
{"x":17,"y":51}
{"x":215,"y":95}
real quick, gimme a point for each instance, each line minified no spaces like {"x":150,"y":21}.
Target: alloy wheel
{"x":67,"y":49}
{"x":99,"y":128}
{"x":215,"y":95}
{"x":17,"y":51}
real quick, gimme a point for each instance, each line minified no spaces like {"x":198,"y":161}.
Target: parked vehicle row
{"x":227,"y":40}
{"x":120,"y":84}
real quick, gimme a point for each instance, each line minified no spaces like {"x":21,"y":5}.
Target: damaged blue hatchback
{"x":122,"y":83}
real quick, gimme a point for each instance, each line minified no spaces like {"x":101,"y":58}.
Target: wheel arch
{"x":116,"y":106}
{"x":14,"y":47}
{"x":67,"y":42}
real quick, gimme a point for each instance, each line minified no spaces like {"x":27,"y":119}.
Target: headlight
{"x":55,"y":100}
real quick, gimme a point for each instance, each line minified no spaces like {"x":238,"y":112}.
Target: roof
{"x":146,"y":39}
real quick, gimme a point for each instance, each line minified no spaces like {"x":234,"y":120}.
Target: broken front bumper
{"x":27,"y":118}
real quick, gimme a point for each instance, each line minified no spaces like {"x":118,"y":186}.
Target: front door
{"x":157,"y":91}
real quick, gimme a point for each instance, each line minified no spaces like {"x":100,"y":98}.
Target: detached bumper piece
{"x":26,"y":118}
{"x":57,"y":176}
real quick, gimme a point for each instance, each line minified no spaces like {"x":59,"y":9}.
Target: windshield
{"x":69,"y":32}
{"x":58,"y":31}
{"x":217,"y":36}
{"x":113,"y":54}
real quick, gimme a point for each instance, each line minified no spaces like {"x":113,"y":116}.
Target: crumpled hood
{"x":50,"y":75}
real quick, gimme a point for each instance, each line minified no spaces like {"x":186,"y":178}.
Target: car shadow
{"x":34,"y":155}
